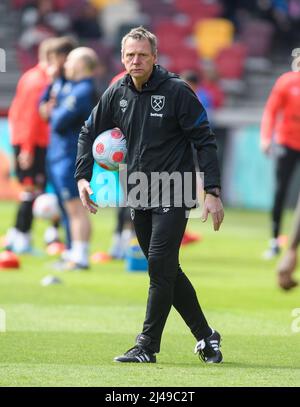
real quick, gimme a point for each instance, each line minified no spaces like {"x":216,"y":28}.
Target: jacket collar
{"x":157,"y":77}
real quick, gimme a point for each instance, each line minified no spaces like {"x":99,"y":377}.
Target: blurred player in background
{"x":288,"y":263}
{"x":193,"y":80}
{"x":29,"y":138}
{"x":74,"y":99}
{"x":57,"y":56}
{"x":281,"y":123}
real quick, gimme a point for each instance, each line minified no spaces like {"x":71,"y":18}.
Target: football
{"x":46,"y":207}
{"x":109,"y":149}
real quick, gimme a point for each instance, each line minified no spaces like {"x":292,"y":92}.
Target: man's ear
{"x":155,"y":58}
{"x":122,"y":58}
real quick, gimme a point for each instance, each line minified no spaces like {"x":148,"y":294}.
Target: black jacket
{"x":159,"y":124}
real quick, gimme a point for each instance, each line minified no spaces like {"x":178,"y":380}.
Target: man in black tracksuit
{"x":160,"y":117}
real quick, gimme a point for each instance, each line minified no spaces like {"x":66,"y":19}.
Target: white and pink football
{"x":109,"y":149}
{"x":46,"y":206}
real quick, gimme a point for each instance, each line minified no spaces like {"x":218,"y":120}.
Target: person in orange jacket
{"x":29,"y":138}
{"x":281,"y":123}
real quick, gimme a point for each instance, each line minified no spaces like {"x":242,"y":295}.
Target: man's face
{"x":55,"y":65}
{"x":138,"y":58}
{"x":70,"y":66}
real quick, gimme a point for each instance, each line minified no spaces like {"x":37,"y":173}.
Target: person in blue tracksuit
{"x":60,"y":48}
{"x":74,"y":100}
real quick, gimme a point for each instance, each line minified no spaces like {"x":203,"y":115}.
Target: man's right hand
{"x":84,"y":192}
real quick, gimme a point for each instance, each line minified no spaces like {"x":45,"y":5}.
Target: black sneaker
{"x":138,"y":354}
{"x":209,"y":348}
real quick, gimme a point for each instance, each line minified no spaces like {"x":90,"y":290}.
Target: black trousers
{"x":159,"y":232}
{"x":36,"y":174}
{"x":286,"y":161}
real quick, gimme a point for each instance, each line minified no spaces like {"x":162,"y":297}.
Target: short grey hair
{"x":140,"y":33}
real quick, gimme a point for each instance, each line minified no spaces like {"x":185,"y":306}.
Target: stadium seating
{"x":101,"y":4}
{"x":187,"y":59}
{"x":230,"y":61}
{"x":116,"y":14}
{"x":170,"y":43}
{"x":174,"y":35}
{"x":257,"y":36}
{"x":168,"y":26}
{"x":20,"y":3}
{"x":58,"y":4}
{"x":210,"y":8}
{"x":157,"y":9}
{"x":197,"y":10}
{"x":212,"y":35}
{"x":191,"y":34}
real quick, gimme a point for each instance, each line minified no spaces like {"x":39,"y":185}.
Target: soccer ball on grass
{"x":46,"y":207}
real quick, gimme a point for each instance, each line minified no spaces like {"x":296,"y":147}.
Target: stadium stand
{"x":212,"y":35}
{"x":230,"y":61}
{"x":116,"y":14}
{"x":237,"y":40}
{"x":237,"y":68}
{"x":197,"y":10}
{"x":257,"y":36}
{"x":8,"y":35}
{"x":157,"y":9}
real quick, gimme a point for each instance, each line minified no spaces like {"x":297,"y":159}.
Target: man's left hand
{"x":213,"y":205}
{"x":25,"y":160}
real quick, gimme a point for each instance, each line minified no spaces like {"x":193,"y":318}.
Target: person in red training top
{"x":281,"y":122}
{"x":24,"y":118}
{"x":29,"y":138}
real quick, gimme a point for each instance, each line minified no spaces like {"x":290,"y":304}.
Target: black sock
{"x":24,"y":217}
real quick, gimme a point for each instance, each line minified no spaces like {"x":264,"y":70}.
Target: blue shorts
{"x":61,"y":176}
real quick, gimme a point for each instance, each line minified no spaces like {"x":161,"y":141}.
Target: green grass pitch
{"x":68,"y":334}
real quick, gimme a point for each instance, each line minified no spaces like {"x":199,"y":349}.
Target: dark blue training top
{"x":75,"y":101}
